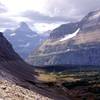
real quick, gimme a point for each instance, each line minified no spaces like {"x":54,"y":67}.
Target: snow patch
{"x":31,"y":36}
{"x":13,"y":34}
{"x":25,"y":45}
{"x":70,"y":35}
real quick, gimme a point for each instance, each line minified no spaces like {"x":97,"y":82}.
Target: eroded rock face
{"x":82,"y":49}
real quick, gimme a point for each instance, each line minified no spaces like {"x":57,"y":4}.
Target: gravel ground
{"x":10,"y":91}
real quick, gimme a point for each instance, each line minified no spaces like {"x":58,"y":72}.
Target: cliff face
{"x":80,"y":46}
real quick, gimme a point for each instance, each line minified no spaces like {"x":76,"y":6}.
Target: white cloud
{"x":42,"y":27}
{"x":75,"y":9}
{"x":16,"y":6}
{"x":71,"y":10}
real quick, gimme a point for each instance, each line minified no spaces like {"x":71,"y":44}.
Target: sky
{"x":43,"y":15}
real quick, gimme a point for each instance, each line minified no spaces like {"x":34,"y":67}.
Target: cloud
{"x":62,"y":10}
{"x":7,"y":22}
{"x":48,"y":12}
{"x":3,"y":9}
{"x":41,"y":18}
{"x":75,"y":9}
{"x":43,"y":27}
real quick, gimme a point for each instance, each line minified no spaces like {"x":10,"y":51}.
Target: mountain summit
{"x":23,"y":39}
{"x":73,"y":43}
{"x":91,"y":22}
{"x":24,"y":28}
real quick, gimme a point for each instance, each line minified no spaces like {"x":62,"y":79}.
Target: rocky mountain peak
{"x":23,"y":39}
{"x":24,"y":28}
{"x":23,"y":24}
{"x":91,"y":21}
{"x":93,"y":15}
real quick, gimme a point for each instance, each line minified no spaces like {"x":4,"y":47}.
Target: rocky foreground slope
{"x":72,"y":43}
{"x":10,"y":91}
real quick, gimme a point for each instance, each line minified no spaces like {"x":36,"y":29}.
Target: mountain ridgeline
{"x":23,"y":39}
{"x":71,"y":44}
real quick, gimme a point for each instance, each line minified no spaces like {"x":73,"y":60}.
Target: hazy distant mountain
{"x":73,"y":43}
{"x":23,"y":39}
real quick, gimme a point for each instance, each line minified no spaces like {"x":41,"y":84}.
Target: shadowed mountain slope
{"x":11,"y":62}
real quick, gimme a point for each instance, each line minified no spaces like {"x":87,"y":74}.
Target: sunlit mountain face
{"x":71,"y":44}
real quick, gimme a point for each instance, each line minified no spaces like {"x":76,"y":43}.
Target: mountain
{"x":11,"y":65}
{"x":91,"y":22}
{"x":73,"y":44}
{"x":24,"y":39}
{"x":18,"y":80}
{"x":64,"y":30}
